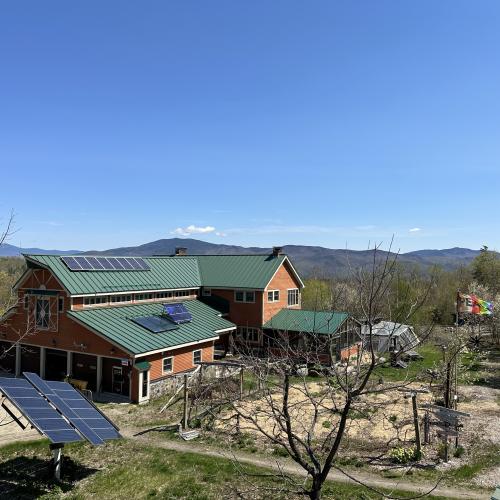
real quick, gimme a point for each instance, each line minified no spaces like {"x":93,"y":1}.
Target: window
{"x":96,"y":301}
{"x":121,"y":298}
{"x":60,"y":304}
{"x":207,"y":292}
{"x":241,"y":296}
{"x":143,"y":296}
{"x":249,"y":334}
{"x":42,"y":313}
{"x":293,"y":297}
{"x":197,"y":356}
{"x":164,"y":295}
{"x":26,"y":301}
{"x":183,"y":293}
{"x":273,"y":296}
{"x":168,"y":365}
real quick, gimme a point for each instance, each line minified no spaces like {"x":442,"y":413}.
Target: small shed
{"x":388,"y":336}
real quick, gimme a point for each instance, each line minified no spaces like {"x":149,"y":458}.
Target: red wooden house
{"x":126,"y":325}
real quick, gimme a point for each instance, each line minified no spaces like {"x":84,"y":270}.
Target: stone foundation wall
{"x":169,"y":385}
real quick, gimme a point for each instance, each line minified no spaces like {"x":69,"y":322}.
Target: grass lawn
{"x":431,"y":355}
{"x":127,"y":469}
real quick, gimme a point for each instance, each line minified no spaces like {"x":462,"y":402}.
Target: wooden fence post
{"x":241,"y":383}
{"x":415,"y":421}
{"x":186,"y":394}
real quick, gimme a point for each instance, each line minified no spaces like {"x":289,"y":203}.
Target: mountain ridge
{"x":310,"y":260}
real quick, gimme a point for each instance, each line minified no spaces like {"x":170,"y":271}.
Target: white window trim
{"x":201,"y":356}
{"x":163,"y":365}
{"x":273,"y":299}
{"x":298,"y":297}
{"x":244,"y":301}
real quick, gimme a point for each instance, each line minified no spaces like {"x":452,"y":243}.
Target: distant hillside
{"x":310,"y":260}
{"x":7,"y":250}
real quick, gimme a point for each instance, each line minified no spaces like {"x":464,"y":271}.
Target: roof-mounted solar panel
{"x":142,"y":264}
{"x":71,"y":263}
{"x":178,"y":313}
{"x":97,"y":263}
{"x":155,"y":324}
{"x":84,"y":263}
{"x":105,"y":263}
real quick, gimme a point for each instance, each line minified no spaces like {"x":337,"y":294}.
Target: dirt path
{"x":290,"y":467}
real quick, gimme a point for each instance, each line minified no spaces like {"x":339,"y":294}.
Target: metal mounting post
{"x":56,"y":449}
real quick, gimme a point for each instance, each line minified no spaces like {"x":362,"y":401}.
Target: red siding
{"x":282,"y":281}
{"x":183,"y":359}
{"x":242,"y":313}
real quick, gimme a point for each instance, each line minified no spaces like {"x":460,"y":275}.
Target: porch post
{"x":18,"y":360}
{"x":69,"y":364}
{"x":43,"y":357}
{"x":99,"y":374}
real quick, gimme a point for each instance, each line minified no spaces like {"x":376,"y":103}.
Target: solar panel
{"x":38,"y":411}
{"x":96,"y":263}
{"x":126,"y":264}
{"x":142,"y":264}
{"x":71,"y":263}
{"x":105,"y":262}
{"x":85,"y":265}
{"x":178,"y":313}
{"x":155,"y":324}
{"x":70,"y":402}
{"x":115,"y":263}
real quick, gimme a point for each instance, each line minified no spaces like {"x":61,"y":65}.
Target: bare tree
{"x":10,"y":302}
{"x":308,"y":421}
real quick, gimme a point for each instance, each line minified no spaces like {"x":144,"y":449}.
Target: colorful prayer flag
{"x":473,"y":305}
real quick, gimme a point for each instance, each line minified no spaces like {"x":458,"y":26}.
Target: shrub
{"x":402,"y":455}
{"x":327,"y":424}
{"x":459,"y":451}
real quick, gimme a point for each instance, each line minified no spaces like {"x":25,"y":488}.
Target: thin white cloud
{"x":50,"y":223}
{"x":192,"y":229}
{"x":415,"y":230}
{"x":221,"y":234}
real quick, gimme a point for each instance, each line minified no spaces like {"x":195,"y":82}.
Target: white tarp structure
{"x":389,"y":336}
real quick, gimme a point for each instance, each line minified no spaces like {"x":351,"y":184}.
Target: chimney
{"x":180,"y":251}
{"x":277,"y":251}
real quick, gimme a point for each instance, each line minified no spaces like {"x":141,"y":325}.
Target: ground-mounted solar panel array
{"x":93,"y":263}
{"x":178,"y":313}
{"x":58,"y":410}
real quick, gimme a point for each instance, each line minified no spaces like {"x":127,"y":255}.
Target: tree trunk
{"x":315,"y":491}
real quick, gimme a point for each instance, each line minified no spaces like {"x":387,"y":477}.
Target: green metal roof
{"x":223,"y":271}
{"x":164,"y":273}
{"x":299,"y":320}
{"x":115,"y":324}
{"x":238,"y":271}
{"x":142,"y":366}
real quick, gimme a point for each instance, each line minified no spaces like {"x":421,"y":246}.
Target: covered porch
{"x":102,"y":377}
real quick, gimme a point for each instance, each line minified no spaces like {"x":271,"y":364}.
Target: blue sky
{"x":255,"y":123}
